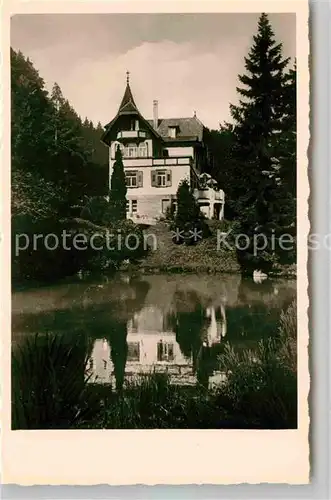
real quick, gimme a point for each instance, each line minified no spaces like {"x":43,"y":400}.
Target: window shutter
{"x":168,"y":180}
{"x":153,"y":178}
{"x":140,"y":179}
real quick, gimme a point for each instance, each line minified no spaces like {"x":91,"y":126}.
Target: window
{"x":120,"y":146}
{"x":165,"y":351}
{"x":131,"y":151}
{"x":132,"y":206}
{"x":165,"y":205}
{"x":133,"y":351}
{"x":131,"y":179}
{"x":161,"y":178}
{"x":172,"y":132}
{"x":142,"y":150}
{"x":134,"y":178}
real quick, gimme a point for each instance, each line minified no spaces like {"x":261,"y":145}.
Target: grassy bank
{"x":203,"y":257}
{"x":50,"y":390}
{"x":207,"y":256}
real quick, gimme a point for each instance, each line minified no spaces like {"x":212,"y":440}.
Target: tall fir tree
{"x":258,"y":128}
{"x":118,"y":189}
{"x":288,"y":138}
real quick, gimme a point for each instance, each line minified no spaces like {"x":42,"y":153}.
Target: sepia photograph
{"x":154,"y":221}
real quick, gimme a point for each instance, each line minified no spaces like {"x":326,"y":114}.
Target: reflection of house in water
{"x":217,"y":325}
{"x":152,"y":347}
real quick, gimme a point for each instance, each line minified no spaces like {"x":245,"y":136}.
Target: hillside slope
{"x":203,"y":257}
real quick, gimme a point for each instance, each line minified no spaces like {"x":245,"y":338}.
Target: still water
{"x":164,"y":323}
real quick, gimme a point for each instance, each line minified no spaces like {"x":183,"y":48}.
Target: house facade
{"x":157,"y":155}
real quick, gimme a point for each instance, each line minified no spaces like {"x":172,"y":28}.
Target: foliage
{"x":262,"y":384}
{"x":58,"y":163}
{"x":43,"y":260}
{"x":31,"y":195}
{"x":117,"y":195}
{"x":96,"y":210}
{"x":170,"y":213}
{"x":254,"y":157}
{"x":48,"y":389}
{"x":221,"y":164}
{"x":152,"y":402}
{"x":263,"y":199}
{"x":188,"y":220}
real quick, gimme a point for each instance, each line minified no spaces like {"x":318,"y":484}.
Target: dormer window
{"x":172,"y":132}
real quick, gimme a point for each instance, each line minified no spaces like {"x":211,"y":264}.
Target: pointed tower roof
{"x":128,"y":105}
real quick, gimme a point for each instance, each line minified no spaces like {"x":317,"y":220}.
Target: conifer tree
{"x":187,"y":209}
{"x":189,"y":223}
{"x":287,"y":143}
{"x":117,"y":195}
{"x":258,"y":127}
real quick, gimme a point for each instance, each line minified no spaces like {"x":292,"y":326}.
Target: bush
{"x":37,"y":261}
{"x":40,"y":263}
{"x":96,"y":210}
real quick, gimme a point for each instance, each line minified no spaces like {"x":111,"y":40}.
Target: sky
{"x":188,"y":62}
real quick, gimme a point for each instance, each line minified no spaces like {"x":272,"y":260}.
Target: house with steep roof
{"x":157,"y":155}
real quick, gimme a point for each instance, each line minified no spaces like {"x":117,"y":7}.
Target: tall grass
{"x":261,"y":385}
{"x":49,"y":387}
{"x":151,"y":402}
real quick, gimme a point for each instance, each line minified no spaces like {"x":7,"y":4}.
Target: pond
{"x":176,"y":324}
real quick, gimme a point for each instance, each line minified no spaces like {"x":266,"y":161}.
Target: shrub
{"x":37,"y":261}
{"x":96,"y":210}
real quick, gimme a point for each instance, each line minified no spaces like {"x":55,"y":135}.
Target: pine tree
{"x":258,"y":127}
{"x":287,"y":143}
{"x":117,"y":195}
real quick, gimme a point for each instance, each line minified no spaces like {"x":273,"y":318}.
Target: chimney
{"x":155,"y":115}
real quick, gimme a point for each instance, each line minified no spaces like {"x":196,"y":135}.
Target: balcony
{"x":132,"y":134}
{"x":209,"y":194}
{"x":156,"y":162}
